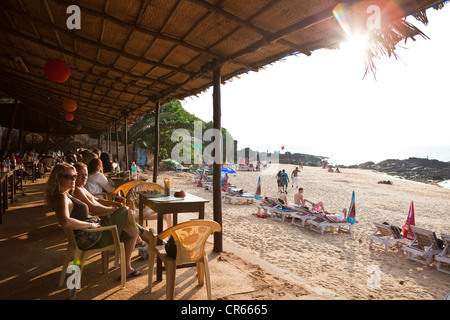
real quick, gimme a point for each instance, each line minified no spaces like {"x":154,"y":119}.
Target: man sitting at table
{"x":97,"y":182}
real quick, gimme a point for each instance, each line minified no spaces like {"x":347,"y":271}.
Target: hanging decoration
{"x":69,"y":116}
{"x":78,"y":126}
{"x":57,"y":70}
{"x":70,"y":105}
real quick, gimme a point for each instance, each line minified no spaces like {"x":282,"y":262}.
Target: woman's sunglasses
{"x":69,"y":176}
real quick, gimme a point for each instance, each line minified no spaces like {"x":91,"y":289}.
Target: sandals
{"x":140,"y":245}
{"x":134,"y":274}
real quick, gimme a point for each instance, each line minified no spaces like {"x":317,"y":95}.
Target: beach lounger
{"x":319,"y":224}
{"x":234,"y":197}
{"x":385,"y":236}
{"x":303,"y":214}
{"x":424,"y":246}
{"x":281,"y":214}
{"x":444,"y":256}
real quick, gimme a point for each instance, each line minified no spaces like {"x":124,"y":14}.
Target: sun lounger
{"x":234,"y":197}
{"x":444,"y":256}
{"x":424,"y":246}
{"x":268,"y":204}
{"x":303,"y":214}
{"x":281,"y":214}
{"x":319,"y":224}
{"x":385,"y":236}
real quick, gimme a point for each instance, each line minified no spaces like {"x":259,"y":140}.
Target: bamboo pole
{"x":217,"y":166}
{"x":156,"y":152}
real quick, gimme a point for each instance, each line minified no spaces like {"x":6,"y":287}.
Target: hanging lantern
{"x":57,"y":70}
{"x":70,"y":105}
{"x":69,"y":116}
{"x":78,"y":126}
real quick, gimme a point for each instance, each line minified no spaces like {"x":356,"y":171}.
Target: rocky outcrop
{"x":412,"y":168}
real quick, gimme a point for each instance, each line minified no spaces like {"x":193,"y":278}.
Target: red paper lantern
{"x":69,"y":116}
{"x":57,"y":70}
{"x":70,"y":105}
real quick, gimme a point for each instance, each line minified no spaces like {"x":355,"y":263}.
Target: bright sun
{"x":355,"y":45}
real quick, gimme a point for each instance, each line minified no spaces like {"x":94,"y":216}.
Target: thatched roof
{"x":130,"y":54}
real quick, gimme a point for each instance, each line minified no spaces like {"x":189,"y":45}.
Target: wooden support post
{"x":217,"y":166}
{"x":11,"y":126}
{"x":156,"y":153}
{"x":126,"y":144}
{"x":117,"y":142}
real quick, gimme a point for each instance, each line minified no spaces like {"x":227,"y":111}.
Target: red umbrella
{"x":410,"y":221}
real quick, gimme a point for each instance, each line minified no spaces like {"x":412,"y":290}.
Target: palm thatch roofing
{"x":129,"y":55}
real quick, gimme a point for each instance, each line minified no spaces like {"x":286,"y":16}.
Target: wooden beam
{"x":217,"y":166}
{"x":126,"y":144}
{"x":156,"y":150}
{"x":11,"y":127}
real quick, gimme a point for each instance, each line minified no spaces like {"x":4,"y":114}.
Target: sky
{"x":323,"y":104}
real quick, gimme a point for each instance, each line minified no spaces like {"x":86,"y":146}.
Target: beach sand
{"x":263,"y":259}
{"x":336,"y":261}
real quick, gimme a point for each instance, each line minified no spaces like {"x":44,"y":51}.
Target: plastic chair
{"x":80,"y":256}
{"x":190,"y":239}
{"x":132,"y":198}
{"x":124,"y":188}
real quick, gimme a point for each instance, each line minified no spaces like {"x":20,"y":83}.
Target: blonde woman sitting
{"x":74,"y":214}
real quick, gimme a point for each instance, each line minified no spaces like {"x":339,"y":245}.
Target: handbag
{"x":86,"y":240}
{"x":171,"y":248}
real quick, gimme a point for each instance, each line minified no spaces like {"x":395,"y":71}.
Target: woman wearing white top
{"x":97,"y":182}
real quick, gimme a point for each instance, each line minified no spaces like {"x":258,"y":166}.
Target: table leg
{"x":159,"y":242}
{"x":141,"y":210}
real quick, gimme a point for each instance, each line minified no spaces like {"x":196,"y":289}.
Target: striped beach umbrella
{"x":410,"y":221}
{"x":352,"y":210}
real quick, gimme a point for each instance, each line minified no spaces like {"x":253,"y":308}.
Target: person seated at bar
{"x":97,"y":182}
{"x":106,"y":161}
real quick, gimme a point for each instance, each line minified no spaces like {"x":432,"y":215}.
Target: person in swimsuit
{"x":102,"y":206}
{"x":74,"y":214}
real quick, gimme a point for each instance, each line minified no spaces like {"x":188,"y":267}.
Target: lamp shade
{"x":57,"y":70}
{"x":69,"y":116}
{"x":70,"y":105}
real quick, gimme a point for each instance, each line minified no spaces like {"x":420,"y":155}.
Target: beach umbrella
{"x":199,"y":184}
{"x":34,"y":138}
{"x":410,"y":221}
{"x":227,"y":169}
{"x":225,"y":183}
{"x":258,"y":189}
{"x":352,"y":210}
{"x":171,"y":163}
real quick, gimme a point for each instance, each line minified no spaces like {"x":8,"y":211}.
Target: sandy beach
{"x":335,"y":260}
{"x":263,"y":259}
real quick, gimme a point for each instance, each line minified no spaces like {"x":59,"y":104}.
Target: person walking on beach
{"x":279,"y":181}
{"x":284,"y":179}
{"x":294,"y":176}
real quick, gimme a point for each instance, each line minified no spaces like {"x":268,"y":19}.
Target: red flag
{"x":410,"y":221}
{"x":282,"y":147}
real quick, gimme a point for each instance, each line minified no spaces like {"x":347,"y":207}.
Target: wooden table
{"x":190,"y":203}
{"x":6,"y":177}
{"x":3,"y":194}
